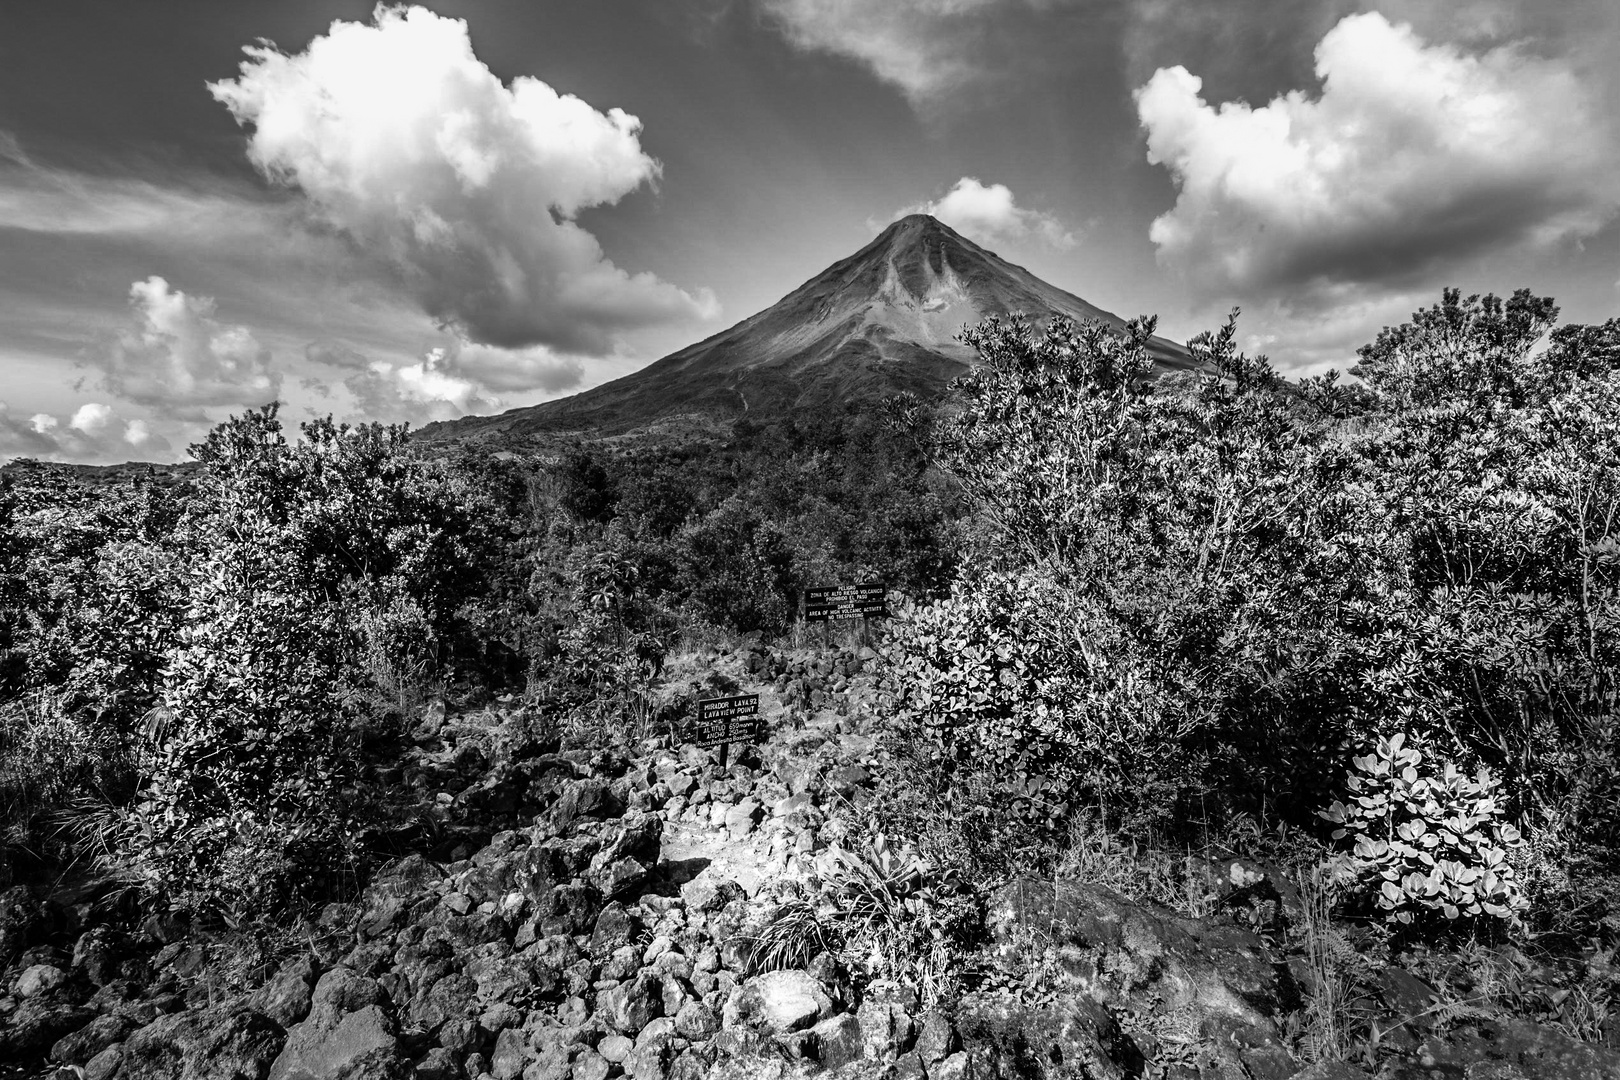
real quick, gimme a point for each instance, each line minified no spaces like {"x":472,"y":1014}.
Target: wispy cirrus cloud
{"x":924,"y":47}
{"x":462,"y":190}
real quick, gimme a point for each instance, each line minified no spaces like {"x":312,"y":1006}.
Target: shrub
{"x":1426,"y":842}
{"x":890,"y":914}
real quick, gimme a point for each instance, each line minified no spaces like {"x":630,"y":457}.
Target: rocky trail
{"x":572,"y":912}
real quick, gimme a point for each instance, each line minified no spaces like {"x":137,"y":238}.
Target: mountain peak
{"x":884,"y":320}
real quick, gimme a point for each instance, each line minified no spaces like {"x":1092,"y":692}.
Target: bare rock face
{"x":1076,"y":1037}
{"x":1110,"y":947}
{"x":224,"y":1044}
{"x":347,"y":1034}
{"x":286,"y":998}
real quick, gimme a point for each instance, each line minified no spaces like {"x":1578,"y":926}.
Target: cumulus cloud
{"x":463,"y":190}
{"x":179,"y":359}
{"x":94,"y":432}
{"x":989,"y":213}
{"x":447,"y":381}
{"x":1412,"y":155}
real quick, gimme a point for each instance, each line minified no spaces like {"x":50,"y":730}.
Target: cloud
{"x":991,"y":213}
{"x":924,"y":47}
{"x":93,"y":432}
{"x":178,"y":359}
{"x":464,"y":191}
{"x":447,"y":381}
{"x":1412,"y":156}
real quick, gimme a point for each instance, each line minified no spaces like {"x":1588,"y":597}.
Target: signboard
{"x":836,"y":603}
{"x":726,"y":720}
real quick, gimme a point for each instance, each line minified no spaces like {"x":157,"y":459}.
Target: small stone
{"x":659,"y":946}
{"x":838,"y":1040}
{"x":936,"y":1040}
{"x":696,"y":1021}
{"x":740,"y":819}
{"x":284,"y":999}
{"x":591,"y":1066}
{"x":629,"y":1006}
{"x":615,"y":928}
{"x":650,"y":1060}
{"x":615,"y":1048}
{"x":552,"y":1064}
{"x":39,"y":979}
{"x":105,"y":1064}
{"x":510,"y":1056}
{"x":438,"y":1064}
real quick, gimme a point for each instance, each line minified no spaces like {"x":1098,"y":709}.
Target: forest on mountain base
{"x":1368,"y":630}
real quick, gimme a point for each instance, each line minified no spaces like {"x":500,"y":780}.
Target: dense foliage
{"x":1154,"y":607}
{"x":1199,"y":596}
{"x":192,"y":663}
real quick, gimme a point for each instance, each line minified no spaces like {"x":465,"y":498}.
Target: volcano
{"x":870,"y":326}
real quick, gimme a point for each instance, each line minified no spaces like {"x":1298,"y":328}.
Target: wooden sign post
{"x":723,"y":721}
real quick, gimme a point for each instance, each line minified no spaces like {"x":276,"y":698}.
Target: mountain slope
{"x":879,"y":322}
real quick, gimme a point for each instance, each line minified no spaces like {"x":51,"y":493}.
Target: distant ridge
{"x":882,"y":321}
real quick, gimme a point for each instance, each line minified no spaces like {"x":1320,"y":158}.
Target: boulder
{"x":438,"y":1064}
{"x":510,"y":1056}
{"x":99,"y":954}
{"x":696,"y":1021}
{"x":361,"y":1044}
{"x":1073,"y":1037}
{"x":231,"y":1043}
{"x":39,"y":979}
{"x":886,"y":1023}
{"x":628,"y":1007}
{"x":782,"y":1001}
{"x":347,"y":1033}
{"x":80,"y":1046}
{"x":615,"y":928}
{"x":838,"y":1041}
{"x":104,"y":1066}
{"x":36,"y":1026}
{"x":1113,"y":948}
{"x":616,"y":1048}
{"x":591,"y":1066}
{"x":285,"y":998}
{"x":651,"y":1059}
{"x":741,"y":819}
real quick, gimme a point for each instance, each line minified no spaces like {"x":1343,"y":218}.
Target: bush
{"x":1189,"y":596}
{"x":1426,"y":842}
{"x":315,"y":567}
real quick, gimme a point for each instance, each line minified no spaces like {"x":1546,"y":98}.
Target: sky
{"x":410,"y":213}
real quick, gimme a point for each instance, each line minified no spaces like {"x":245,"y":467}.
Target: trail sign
{"x":837,"y":603}
{"x":723,"y":721}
